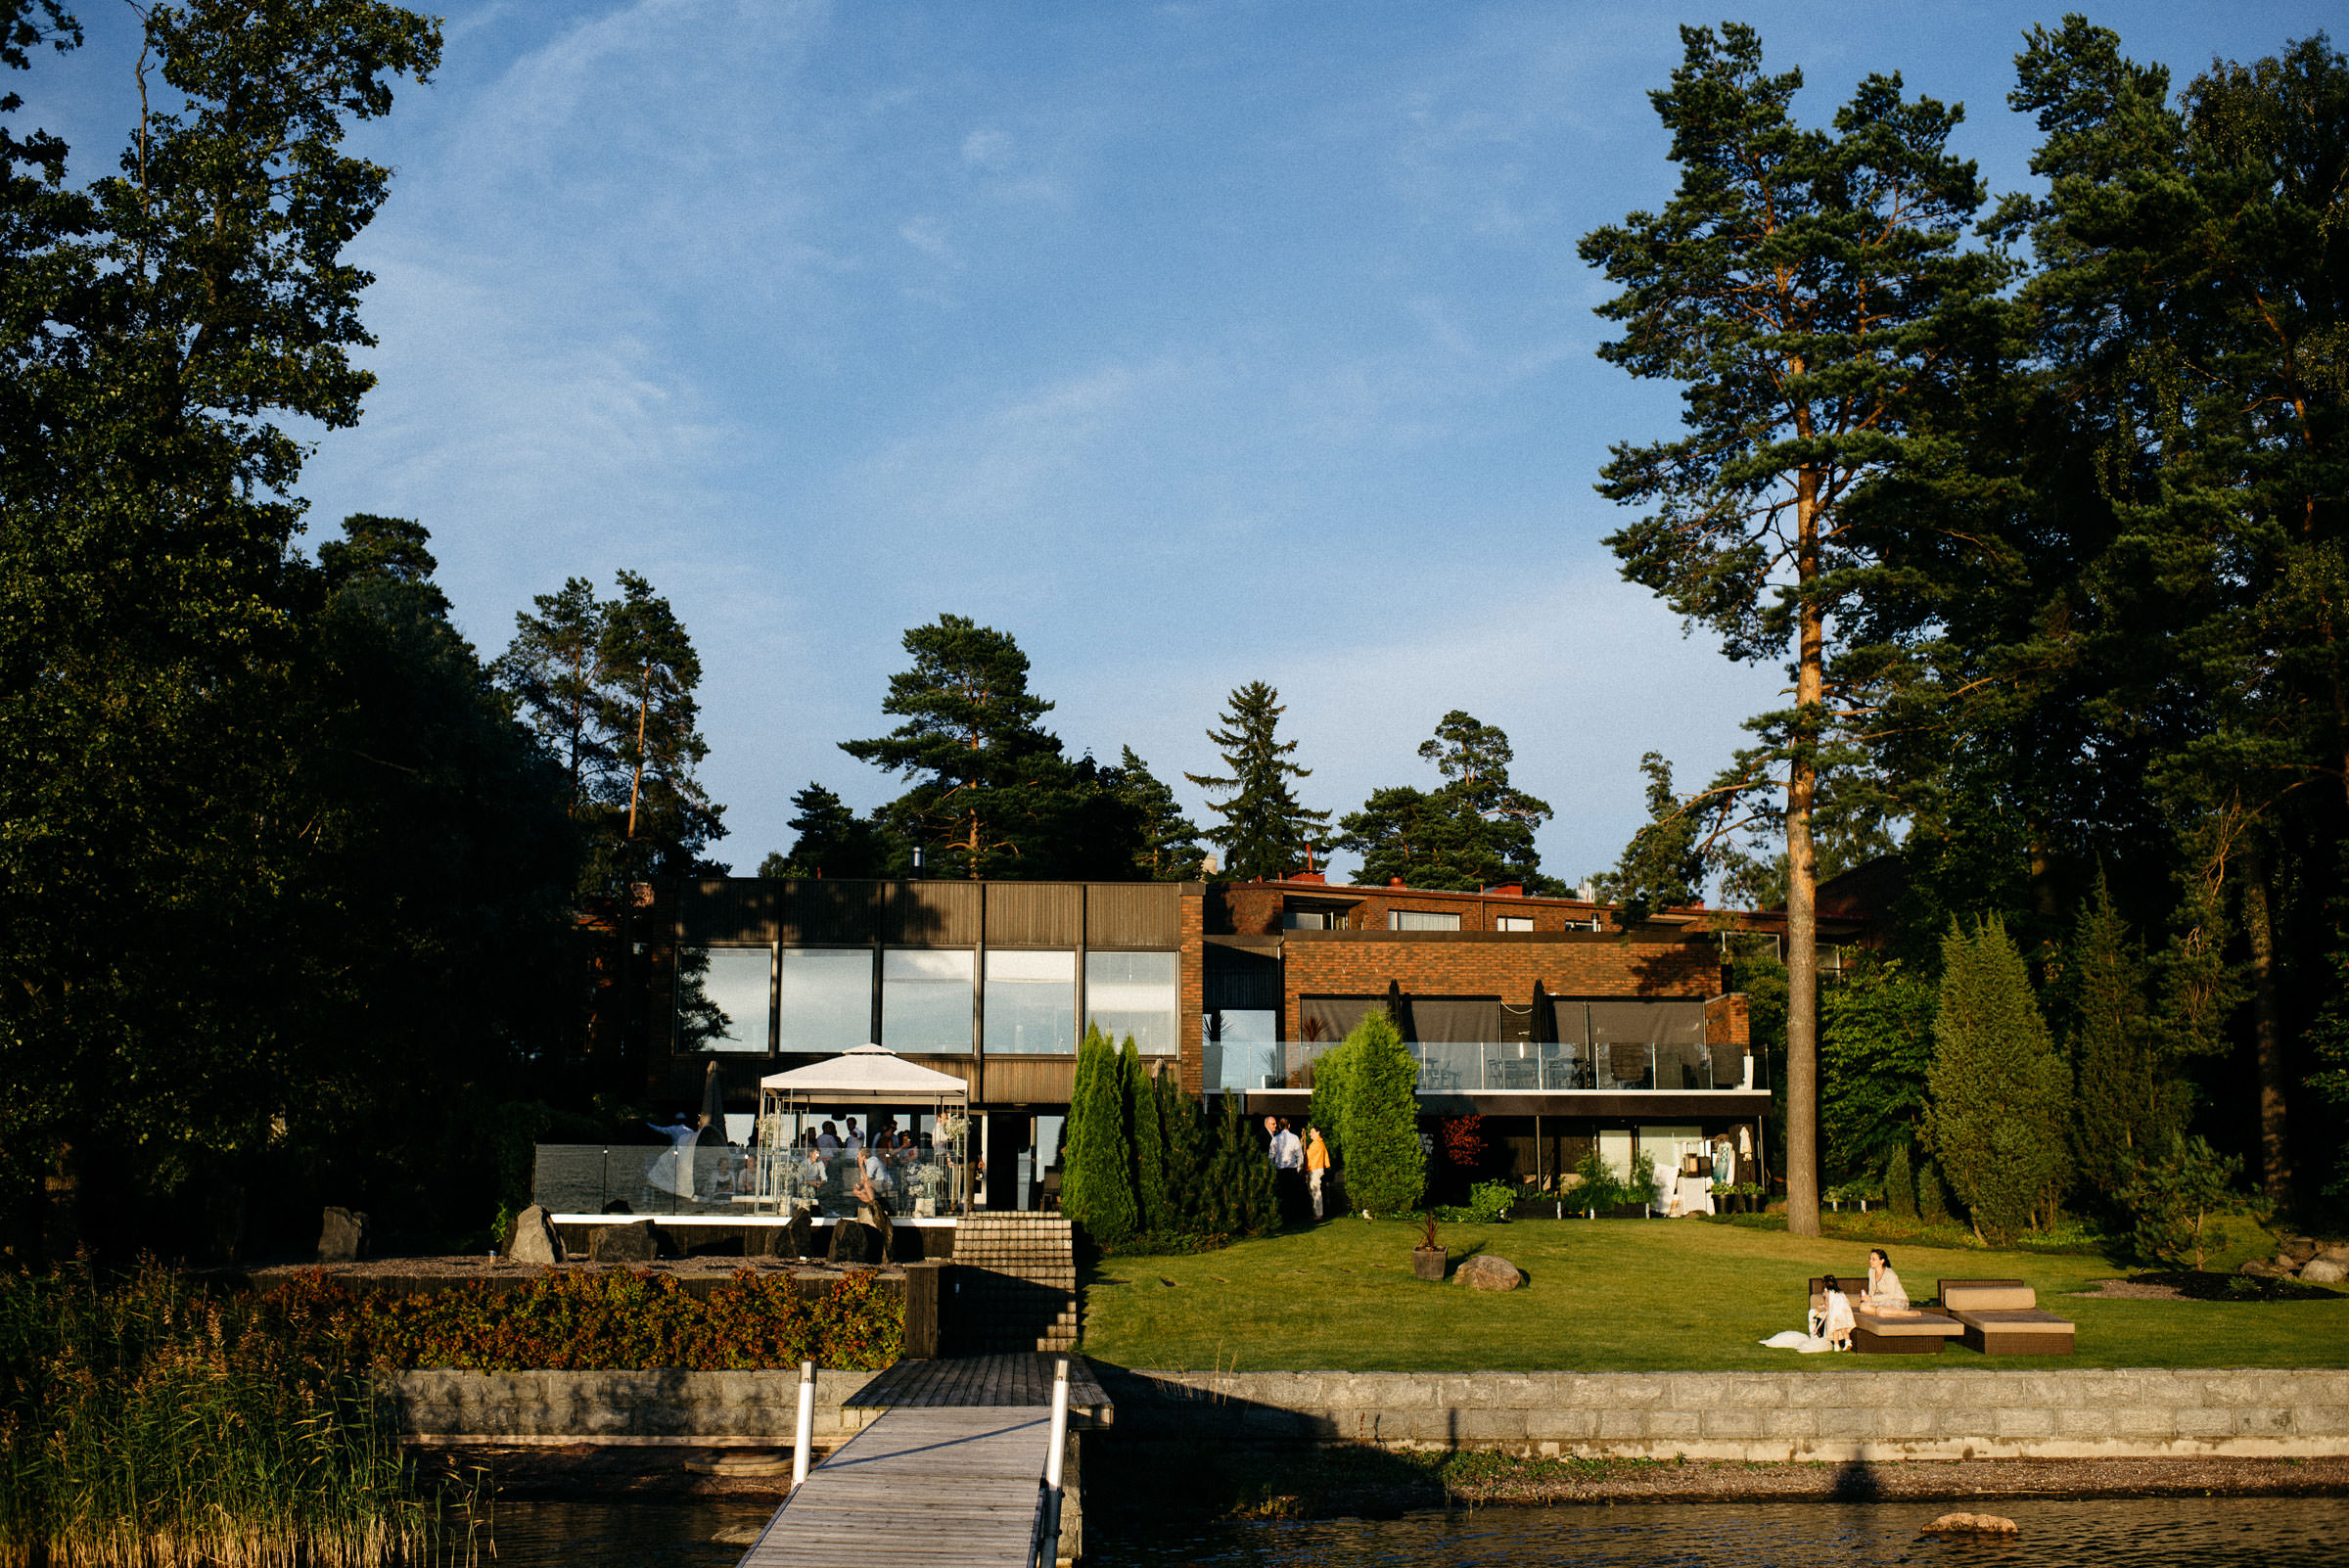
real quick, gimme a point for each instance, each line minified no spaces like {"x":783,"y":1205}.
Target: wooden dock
{"x":951,"y":1471}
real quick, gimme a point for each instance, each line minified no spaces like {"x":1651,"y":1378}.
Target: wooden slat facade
{"x":1035,"y":915}
{"x":816,"y":913}
{"x":932,"y":915}
{"x":1146,"y":916}
{"x":1026,"y":1080}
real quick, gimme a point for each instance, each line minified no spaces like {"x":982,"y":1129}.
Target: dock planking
{"x":918,"y":1487}
{"x":950,"y":1472}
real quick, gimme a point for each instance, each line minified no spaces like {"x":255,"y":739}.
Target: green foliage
{"x":1900,"y":1182}
{"x":1875,"y":1047}
{"x":1265,"y":830}
{"x":1932,"y":1195}
{"x":1473,"y":831}
{"x":1168,"y":848}
{"x":990,"y":790}
{"x":1998,"y":1121}
{"x":2174,"y":1196}
{"x":1386,"y":1170}
{"x":1333,"y":1081}
{"x":1097,"y":1169}
{"x":2129,"y":1095}
{"x":829,"y":840}
{"x":1600,"y":1189}
{"x":1488,"y":1202}
{"x":144,"y":1419}
{"x":1640,"y":1188}
{"x":1663,"y":866}
{"x":1240,"y":1200}
{"x":1154,"y":1211}
{"x":1182,"y":1123}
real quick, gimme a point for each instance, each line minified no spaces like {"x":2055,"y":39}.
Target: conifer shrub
{"x":1932,"y":1197}
{"x":1332,"y":1076}
{"x":1900,"y":1182}
{"x":1096,"y":1190}
{"x":2000,"y":1096}
{"x":1386,"y":1170}
{"x":1153,"y":1210}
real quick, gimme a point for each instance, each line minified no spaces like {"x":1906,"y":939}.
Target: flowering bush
{"x":616,"y":1320}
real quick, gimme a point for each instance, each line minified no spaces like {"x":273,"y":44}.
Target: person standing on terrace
{"x":1316,"y":1166}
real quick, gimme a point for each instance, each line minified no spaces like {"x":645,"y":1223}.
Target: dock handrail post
{"x":803,"y":1432}
{"x":1048,"y":1535}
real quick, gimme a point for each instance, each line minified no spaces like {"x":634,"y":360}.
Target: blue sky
{"x":1190,"y":343}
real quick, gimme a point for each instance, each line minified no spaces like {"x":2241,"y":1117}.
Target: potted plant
{"x":926,"y":1182}
{"x":1427,"y":1259}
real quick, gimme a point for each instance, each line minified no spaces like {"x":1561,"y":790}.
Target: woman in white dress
{"x":1837,"y":1327}
{"x":1883,"y":1290}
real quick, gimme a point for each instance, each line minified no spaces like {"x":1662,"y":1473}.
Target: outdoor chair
{"x":2003,"y":1318}
{"x":1918,"y":1331}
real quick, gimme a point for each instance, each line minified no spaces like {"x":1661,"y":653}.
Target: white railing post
{"x":1048,"y":1535}
{"x":803,"y":1432}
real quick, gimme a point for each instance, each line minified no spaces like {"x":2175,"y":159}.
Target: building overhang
{"x":1638,"y":1104}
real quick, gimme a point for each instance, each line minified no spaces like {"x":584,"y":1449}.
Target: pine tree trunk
{"x":2275,"y":1148}
{"x":1802,"y":906}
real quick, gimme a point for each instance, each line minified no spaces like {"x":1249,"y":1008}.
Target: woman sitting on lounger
{"x":1883,"y":1290}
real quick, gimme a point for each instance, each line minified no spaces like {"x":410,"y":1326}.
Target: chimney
{"x":1507,"y":889}
{"x":1307,"y":876}
{"x":1394,"y":882}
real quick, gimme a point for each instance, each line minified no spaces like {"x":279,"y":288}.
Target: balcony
{"x":1498,"y":1067}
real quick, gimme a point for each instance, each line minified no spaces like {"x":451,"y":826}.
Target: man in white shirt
{"x":1288,"y":1151}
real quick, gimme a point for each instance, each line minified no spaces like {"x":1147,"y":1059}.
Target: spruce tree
{"x":1932,"y":1198}
{"x":1182,"y":1123}
{"x":1266,"y":832}
{"x":1997,"y":1118}
{"x":1333,"y":1078}
{"x":1900,"y":1182}
{"x":2129,"y":1101}
{"x":1097,"y":1168}
{"x":1153,"y":1214}
{"x":1386,"y":1170}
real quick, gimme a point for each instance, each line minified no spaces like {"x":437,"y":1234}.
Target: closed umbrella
{"x":714,"y":1102}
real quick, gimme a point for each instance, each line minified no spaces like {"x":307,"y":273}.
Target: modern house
{"x":1558,"y":1026}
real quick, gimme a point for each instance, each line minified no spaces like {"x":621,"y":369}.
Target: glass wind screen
{"x":827,"y":1002}
{"x":1030,"y":1003}
{"x":1134,"y":993}
{"x":926,"y":1001}
{"x":735,"y":984}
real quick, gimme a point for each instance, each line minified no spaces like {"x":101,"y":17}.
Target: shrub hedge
{"x":613,"y":1319}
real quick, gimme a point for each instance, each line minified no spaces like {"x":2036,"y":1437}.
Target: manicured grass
{"x":1621,"y":1295}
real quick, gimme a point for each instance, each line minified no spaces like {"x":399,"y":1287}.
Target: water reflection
{"x":622,"y":1535}
{"x":2181,"y":1532}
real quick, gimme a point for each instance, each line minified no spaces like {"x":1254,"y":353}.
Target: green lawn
{"x":1620,"y":1295}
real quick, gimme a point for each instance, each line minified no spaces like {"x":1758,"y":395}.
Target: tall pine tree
{"x":1799,"y":285}
{"x":1097,"y":1165}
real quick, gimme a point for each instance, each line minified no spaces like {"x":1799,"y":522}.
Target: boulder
{"x":2336,"y":1251}
{"x":2264,"y":1269}
{"x":342,"y":1236}
{"x":634,"y":1243}
{"x":1971,"y":1524}
{"x":2297,"y":1248}
{"x":2323,"y":1271}
{"x":853,"y":1242}
{"x":802,"y":1231}
{"x":534,"y":1239}
{"x":1485,"y":1272}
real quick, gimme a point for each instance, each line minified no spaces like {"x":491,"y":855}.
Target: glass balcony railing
{"x":592,"y":1179}
{"x":1487,"y":1067}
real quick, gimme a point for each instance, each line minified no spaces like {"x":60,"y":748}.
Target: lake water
{"x":2173,"y":1532}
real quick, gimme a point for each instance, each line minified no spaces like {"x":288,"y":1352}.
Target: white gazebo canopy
{"x":870,"y":1074}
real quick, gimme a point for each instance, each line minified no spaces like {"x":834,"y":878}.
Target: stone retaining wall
{"x":701,"y":1410}
{"x":1842,"y":1414}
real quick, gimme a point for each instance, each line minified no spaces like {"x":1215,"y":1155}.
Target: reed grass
{"x":146,"y":1421}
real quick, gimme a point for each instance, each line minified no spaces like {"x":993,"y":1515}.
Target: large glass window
{"x":827,"y":998}
{"x":1032,"y":1003}
{"x":735,"y":986}
{"x":926,"y":1001}
{"x":1134,"y":993}
{"x":1421,"y":920}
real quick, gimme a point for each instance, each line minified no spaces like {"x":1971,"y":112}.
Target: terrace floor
{"x":1624,"y":1295}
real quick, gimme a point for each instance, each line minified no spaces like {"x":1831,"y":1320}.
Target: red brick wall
{"x":1189,"y":1063}
{"x":1254,"y":908}
{"x":1726,"y":1020}
{"x":1430,"y":966}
